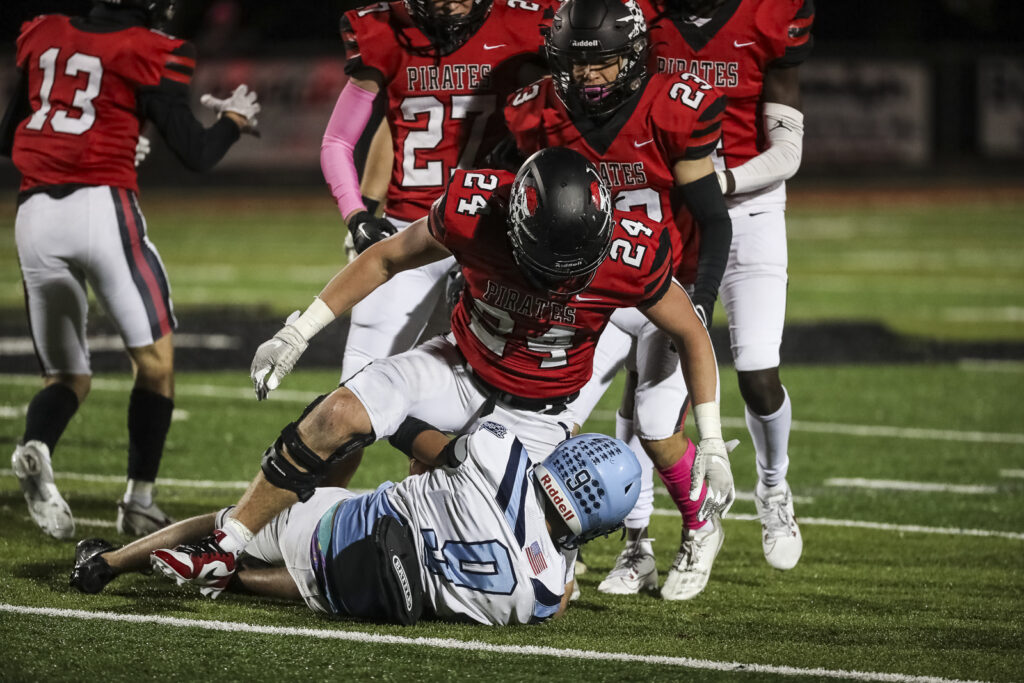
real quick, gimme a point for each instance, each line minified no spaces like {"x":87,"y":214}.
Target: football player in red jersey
{"x":86,"y":85}
{"x":752,"y":50}
{"x":545,"y":264}
{"x":652,"y":136}
{"x":445,"y":67}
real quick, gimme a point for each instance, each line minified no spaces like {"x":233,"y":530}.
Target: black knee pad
{"x":280,"y":472}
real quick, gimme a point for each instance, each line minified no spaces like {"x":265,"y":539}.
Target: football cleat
{"x":31,"y":465}
{"x":204,"y":564}
{"x":91,"y":573}
{"x":692,"y":568}
{"x":780,"y":534}
{"x":134,"y":519}
{"x":634,"y":570}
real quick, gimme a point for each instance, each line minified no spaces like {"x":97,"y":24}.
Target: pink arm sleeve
{"x":348,"y":120}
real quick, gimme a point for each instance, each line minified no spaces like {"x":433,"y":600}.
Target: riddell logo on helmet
{"x":555,"y":494}
{"x":586,"y":43}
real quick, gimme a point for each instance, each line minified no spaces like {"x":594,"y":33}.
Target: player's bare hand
{"x":276,"y":357}
{"x":241,"y":102}
{"x":142,"y":149}
{"x":367,"y":229}
{"x":711,"y":466}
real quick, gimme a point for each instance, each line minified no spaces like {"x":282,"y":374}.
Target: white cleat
{"x":692,"y":568}
{"x":780,"y":534}
{"x":31,"y":465}
{"x":634,"y":570}
{"x":136,"y":520}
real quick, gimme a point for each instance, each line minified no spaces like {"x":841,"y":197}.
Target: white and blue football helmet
{"x":593,"y":481}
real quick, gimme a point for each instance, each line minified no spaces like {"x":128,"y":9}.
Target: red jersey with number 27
{"x":82,"y":89}
{"x":444,"y":111}
{"x":732,"y":51}
{"x":676,"y":117}
{"x":521,"y":339}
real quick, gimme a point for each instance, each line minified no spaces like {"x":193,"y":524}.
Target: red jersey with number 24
{"x":82,"y":89}
{"x":443,"y":111}
{"x":732,"y":51}
{"x":521,"y":339}
{"x":676,"y":117}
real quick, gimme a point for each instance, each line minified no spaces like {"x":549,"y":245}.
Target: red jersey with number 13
{"x":521,"y":339}
{"x":82,"y":89}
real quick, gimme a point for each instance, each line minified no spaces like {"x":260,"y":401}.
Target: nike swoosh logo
{"x":638,"y":145}
{"x":493,"y":47}
{"x":737,"y":43}
{"x":588,"y":298}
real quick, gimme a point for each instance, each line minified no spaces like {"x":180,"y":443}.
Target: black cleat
{"x":91,"y":573}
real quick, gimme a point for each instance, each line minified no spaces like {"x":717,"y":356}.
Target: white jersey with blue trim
{"x":485,"y":551}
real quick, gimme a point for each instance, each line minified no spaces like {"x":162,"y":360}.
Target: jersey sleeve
{"x":688,"y":117}
{"x":366,"y":35}
{"x":787,"y":24}
{"x":435,"y":219}
{"x":639,"y":269}
{"x":523,"y":117}
{"x":349,"y":37}
{"x":179,"y":64}
{"x":660,"y":273}
{"x":25,"y":37}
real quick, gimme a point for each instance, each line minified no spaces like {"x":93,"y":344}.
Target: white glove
{"x":712,"y":465}
{"x":276,"y":357}
{"x":241,"y":102}
{"x":142,"y":149}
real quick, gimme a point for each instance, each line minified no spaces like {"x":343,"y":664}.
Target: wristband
{"x":318,"y":316}
{"x":708,"y":419}
{"x":407,"y":432}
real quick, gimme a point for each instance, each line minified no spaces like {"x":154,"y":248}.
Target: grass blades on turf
{"x":886,"y":600}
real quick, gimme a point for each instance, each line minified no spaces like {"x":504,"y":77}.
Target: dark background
{"x":257,"y":26}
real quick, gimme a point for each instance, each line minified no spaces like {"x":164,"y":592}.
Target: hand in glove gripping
{"x":276,"y":357}
{"x":711,"y":465}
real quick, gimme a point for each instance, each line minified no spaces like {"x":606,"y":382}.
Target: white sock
{"x":770,"y":434}
{"x":236,"y":536}
{"x":640,"y":516}
{"x":139,"y":492}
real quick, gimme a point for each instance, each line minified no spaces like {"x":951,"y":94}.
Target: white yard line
{"x":1019,"y":474}
{"x":292,"y":396}
{"x":986,"y":365}
{"x":899,"y":485}
{"x":877,"y":526}
{"x":472,"y":645}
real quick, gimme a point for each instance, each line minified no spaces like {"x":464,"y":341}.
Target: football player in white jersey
{"x":485,"y":537}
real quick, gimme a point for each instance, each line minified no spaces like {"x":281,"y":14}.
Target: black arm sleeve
{"x":704,"y":199}
{"x":18,"y":108}
{"x":166,"y":105}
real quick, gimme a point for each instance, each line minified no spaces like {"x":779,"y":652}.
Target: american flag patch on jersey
{"x":536,"y":557}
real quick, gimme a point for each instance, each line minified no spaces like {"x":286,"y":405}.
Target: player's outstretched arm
{"x":674,"y":314}
{"x":411,"y":248}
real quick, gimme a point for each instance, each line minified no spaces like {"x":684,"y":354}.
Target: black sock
{"x":149,"y":418}
{"x":49,"y":413}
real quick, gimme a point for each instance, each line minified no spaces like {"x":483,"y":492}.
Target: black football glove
{"x":704,"y":310}
{"x":367,"y":230}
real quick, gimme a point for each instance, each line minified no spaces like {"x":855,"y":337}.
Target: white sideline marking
{"x":877,"y":526}
{"x":1011,"y":473}
{"x":22,"y":346}
{"x":894,"y":485}
{"x":473,"y":645}
{"x":986,"y":365}
{"x":292,"y":396}
{"x":13,"y":412}
{"x":747,"y":496}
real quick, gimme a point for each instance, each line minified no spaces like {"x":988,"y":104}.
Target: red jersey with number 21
{"x":521,"y":339}
{"x":82,"y":87}
{"x":444,"y":111}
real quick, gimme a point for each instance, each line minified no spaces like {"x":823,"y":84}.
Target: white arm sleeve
{"x":784,"y":128}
